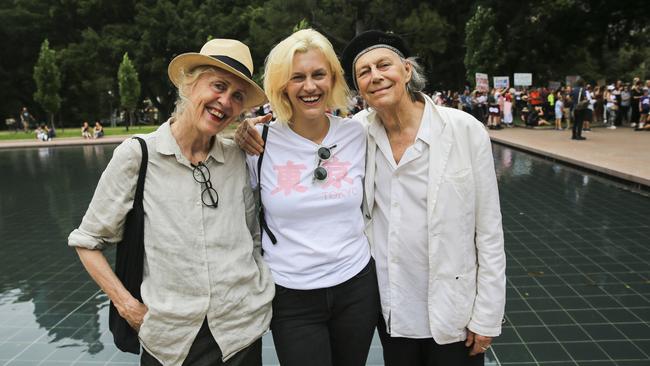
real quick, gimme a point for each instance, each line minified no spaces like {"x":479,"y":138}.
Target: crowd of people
{"x":618,"y":104}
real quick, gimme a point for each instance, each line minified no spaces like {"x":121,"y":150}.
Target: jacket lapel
{"x":369,"y":181}
{"x":439,"y":150}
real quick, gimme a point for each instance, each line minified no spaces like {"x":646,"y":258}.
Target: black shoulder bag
{"x":129,"y":261}
{"x":262,"y":219}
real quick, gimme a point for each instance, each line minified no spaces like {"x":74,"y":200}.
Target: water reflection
{"x":44,"y":192}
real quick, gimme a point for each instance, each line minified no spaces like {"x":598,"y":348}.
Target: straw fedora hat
{"x":227,"y":54}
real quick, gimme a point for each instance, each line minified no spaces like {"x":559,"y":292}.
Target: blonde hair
{"x":278,"y":69}
{"x":185,"y":85}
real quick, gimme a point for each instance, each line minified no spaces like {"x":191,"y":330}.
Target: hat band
{"x":234,"y":64}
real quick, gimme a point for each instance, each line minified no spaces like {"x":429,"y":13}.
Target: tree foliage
{"x":597,"y":39}
{"x":48,"y":81}
{"x":129,"y":86}
{"x":485,"y":50}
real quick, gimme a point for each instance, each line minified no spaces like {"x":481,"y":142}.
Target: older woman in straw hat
{"x":206,"y":290}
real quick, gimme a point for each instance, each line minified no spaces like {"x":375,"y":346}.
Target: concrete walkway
{"x":622,"y":153}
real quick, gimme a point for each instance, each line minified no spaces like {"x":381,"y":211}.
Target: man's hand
{"x":479,"y":343}
{"x":133,"y":312}
{"x":247,"y":136}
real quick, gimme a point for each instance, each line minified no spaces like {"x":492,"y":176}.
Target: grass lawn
{"x":76,"y":132}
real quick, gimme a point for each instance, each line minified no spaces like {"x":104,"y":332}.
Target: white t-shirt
{"x":318,"y":224}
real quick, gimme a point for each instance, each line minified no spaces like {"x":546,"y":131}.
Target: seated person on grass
{"x":536,"y":118}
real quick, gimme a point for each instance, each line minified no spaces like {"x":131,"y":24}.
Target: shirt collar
{"x":167,"y":144}
{"x":424,"y":132}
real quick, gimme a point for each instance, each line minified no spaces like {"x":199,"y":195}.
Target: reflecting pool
{"x":578,"y":252}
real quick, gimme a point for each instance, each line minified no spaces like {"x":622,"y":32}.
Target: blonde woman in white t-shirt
{"x":311,"y":187}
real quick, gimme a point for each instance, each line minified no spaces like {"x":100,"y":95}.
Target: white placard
{"x":502,"y":82}
{"x":523,"y":79}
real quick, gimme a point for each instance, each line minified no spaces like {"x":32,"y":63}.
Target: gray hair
{"x":418,"y":80}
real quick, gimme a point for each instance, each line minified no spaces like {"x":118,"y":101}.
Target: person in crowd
{"x":26,"y":119}
{"x":40,"y":133}
{"x":547,"y":100}
{"x":568,"y":105}
{"x":536,"y":117}
{"x":494,"y":110}
{"x":311,"y":188}
{"x":644,"y":111}
{"x":611,"y":107}
{"x":481,"y":106}
{"x":85,"y":131}
{"x":558,"y":110}
{"x":98,"y":130}
{"x":616,"y":99}
{"x":599,"y":106}
{"x":636,"y":93}
{"x":519,"y":101}
{"x":206,"y":290}
{"x":589,"y":113}
{"x":624,"y":107}
{"x":466,"y":101}
{"x":580,"y":103}
{"x":507,"y":108}
{"x":50,"y":132}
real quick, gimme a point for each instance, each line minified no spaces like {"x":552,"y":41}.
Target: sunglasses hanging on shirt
{"x":324,"y":154}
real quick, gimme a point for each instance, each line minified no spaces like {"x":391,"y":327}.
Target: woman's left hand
{"x":479,"y":343}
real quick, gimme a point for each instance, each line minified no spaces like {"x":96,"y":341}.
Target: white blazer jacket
{"x":467,"y":262}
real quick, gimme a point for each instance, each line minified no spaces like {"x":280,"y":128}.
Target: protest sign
{"x":482,"y":82}
{"x":523,"y":79}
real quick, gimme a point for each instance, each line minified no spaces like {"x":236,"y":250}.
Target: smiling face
{"x":381,"y":78}
{"x":309,"y":85}
{"x":217,"y":97}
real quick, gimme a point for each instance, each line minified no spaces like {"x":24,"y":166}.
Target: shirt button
{"x":395,"y":204}
{"x":198,"y":203}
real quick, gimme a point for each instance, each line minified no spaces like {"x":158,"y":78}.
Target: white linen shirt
{"x":199,"y":261}
{"x":399,"y":227}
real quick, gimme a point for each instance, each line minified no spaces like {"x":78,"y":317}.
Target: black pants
{"x":327,"y":327}
{"x":579,"y":117}
{"x":622,"y":114}
{"x":206,"y":352}
{"x":400,"y":351}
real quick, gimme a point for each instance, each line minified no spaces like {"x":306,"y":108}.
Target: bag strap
{"x":579,"y":96}
{"x":262,"y":219}
{"x":139,"y":190}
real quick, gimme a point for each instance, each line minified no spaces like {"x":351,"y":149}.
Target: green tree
{"x":127,"y":78}
{"x":48,"y":81}
{"x":485,"y":48}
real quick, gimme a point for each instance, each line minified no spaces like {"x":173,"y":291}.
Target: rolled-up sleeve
{"x":103,"y":223}
{"x":491,"y":279}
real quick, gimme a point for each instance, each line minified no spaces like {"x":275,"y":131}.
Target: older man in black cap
{"x":432,"y":206}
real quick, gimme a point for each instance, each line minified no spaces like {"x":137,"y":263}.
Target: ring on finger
{"x":485,"y":348}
